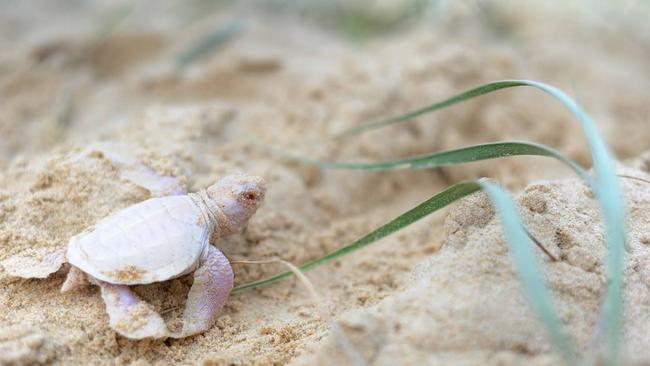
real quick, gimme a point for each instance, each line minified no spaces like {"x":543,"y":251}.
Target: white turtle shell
{"x":154,"y":240}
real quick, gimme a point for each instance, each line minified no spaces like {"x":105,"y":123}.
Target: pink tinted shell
{"x":154,"y":240}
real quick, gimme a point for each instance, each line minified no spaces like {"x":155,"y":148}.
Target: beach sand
{"x":442,"y":291}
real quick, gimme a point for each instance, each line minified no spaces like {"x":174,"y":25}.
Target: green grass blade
{"x":469,"y":94}
{"x":608,"y":192}
{"x":467,"y":154}
{"x":523,"y":256}
{"x":433,"y":204}
{"x":606,"y":187}
{"x":208,"y":44}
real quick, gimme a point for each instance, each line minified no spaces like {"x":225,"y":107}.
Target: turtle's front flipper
{"x":130,"y":316}
{"x":132,"y":169}
{"x":38,"y":263}
{"x":213,"y":281}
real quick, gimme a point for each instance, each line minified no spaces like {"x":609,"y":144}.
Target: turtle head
{"x":237,"y":196}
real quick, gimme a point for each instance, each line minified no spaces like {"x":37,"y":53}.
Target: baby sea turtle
{"x":157,"y":240}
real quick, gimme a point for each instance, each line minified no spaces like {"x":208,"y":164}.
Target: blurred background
{"x":70,"y":68}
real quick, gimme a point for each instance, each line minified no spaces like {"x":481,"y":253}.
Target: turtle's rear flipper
{"x":130,"y":316}
{"x":76,"y":278}
{"x":38,"y":263}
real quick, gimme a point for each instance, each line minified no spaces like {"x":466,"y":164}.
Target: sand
{"x":464,"y":304}
{"x":440,"y":292}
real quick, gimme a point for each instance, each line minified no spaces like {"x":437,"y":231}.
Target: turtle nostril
{"x":250,"y":196}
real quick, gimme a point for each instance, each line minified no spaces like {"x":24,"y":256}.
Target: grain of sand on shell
{"x":404,"y":299}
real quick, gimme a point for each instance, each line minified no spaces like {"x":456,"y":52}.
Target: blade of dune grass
{"x":467,"y":154}
{"x":433,"y":204}
{"x":606,"y":188}
{"x":469,"y":94}
{"x":610,"y":197}
{"x":608,"y":192}
{"x":527,"y":267}
{"x":208,"y":44}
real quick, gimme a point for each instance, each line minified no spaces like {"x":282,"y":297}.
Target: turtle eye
{"x":250,"y":195}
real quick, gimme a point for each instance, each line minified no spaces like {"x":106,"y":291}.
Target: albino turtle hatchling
{"x":160,"y":239}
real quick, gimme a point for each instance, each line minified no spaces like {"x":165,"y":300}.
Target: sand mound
{"x":464,"y":304}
